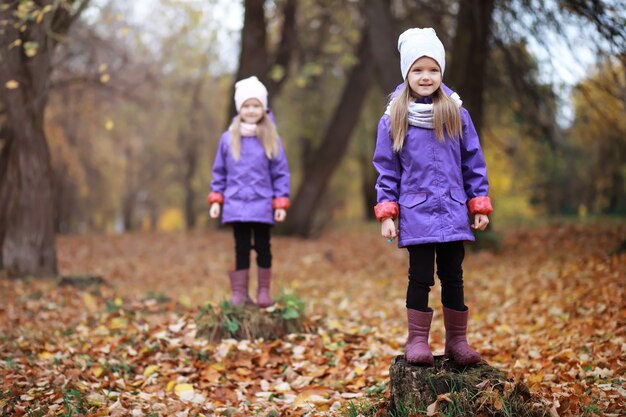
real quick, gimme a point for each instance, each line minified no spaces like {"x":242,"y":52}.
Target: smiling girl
{"x":431,"y":176}
{"x":251,"y":181}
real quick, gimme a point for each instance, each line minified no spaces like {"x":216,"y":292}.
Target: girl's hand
{"x":214,"y":211}
{"x":388,"y":228}
{"x":280,"y":215}
{"x":480,"y":222}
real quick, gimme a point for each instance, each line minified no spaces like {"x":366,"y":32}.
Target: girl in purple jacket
{"x":251,"y":181}
{"x":431,"y":170}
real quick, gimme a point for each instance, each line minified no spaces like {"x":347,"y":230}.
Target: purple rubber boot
{"x":456,"y":340}
{"x":417,"y":350}
{"x":239,"y":287}
{"x":263,"y":295}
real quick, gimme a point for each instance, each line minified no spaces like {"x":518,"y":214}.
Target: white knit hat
{"x":416,"y":43}
{"x":248,"y":88}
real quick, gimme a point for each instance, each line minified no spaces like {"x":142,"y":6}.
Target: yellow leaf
{"x":105,"y":78}
{"x":118,"y":323}
{"x":184,"y":391}
{"x":109,"y":125}
{"x":12,"y":84}
{"x":97,"y":371}
{"x":184,"y":301}
{"x":169,"y":386}
{"x":150,"y":370}
{"x":535,"y":378}
{"x":90,"y":302}
{"x":118,"y":301}
{"x":45,"y":355}
{"x":218,"y":366}
{"x":313,"y":395}
{"x":243,"y":371}
{"x":15,"y":43}
{"x":102,"y":67}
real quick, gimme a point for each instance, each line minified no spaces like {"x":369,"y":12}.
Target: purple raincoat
{"x":250,"y":184}
{"x":431,"y":180}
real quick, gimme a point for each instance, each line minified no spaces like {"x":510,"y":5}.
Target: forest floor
{"x":548,"y":310}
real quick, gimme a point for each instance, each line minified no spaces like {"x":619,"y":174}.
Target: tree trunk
{"x":368,"y":185}
{"x":130,"y":196}
{"x":470,"y":53}
{"x":26,"y":185}
{"x":4,"y":190}
{"x":189,"y":141}
{"x":335,"y":142}
{"x":191,"y":159}
{"x":472,"y":390}
{"x":288,"y":43}
{"x":28,"y":247}
{"x":383,"y":35}
{"x":254,"y":58}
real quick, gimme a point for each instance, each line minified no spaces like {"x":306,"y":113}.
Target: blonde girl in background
{"x":250,"y":188}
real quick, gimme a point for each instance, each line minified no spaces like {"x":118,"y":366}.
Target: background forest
{"x":139,"y":93}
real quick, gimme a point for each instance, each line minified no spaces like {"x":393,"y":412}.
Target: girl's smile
{"x":424,"y":76}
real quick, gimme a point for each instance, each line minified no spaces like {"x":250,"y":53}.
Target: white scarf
{"x":247,"y":129}
{"x":421,"y":114}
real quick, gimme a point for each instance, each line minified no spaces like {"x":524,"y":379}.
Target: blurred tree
{"x":335,"y":141}
{"x":599,"y":132}
{"x":470,"y":52}
{"x":255,"y":57}
{"x":30,"y":33}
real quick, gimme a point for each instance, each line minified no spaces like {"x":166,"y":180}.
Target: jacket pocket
{"x":231,"y":191}
{"x":263,"y":192}
{"x":458,"y":195}
{"x":412,"y":199}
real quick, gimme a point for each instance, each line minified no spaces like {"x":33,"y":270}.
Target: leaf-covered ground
{"x":548,"y":310}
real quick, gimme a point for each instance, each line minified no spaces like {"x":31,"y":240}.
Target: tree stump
{"x":83,"y":282}
{"x":457,"y":390}
{"x":227,"y":322}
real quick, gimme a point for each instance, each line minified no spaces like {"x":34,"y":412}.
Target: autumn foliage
{"x":547,"y":311}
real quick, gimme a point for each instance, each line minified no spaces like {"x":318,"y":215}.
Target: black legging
{"x":421,"y":271}
{"x":243,"y":244}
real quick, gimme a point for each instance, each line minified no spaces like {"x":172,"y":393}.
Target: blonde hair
{"x":445,"y":114}
{"x":265,"y":131}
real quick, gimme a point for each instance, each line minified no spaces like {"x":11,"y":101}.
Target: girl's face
{"x":424,"y":76}
{"x":251,"y":111}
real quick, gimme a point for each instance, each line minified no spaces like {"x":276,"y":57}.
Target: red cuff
{"x":215,"y":197}
{"x":281,"y":203}
{"x":386,"y":209}
{"x":480,"y":205}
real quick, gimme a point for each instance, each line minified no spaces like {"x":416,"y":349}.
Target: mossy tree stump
{"x":458,"y":391}
{"x":227,"y":322}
